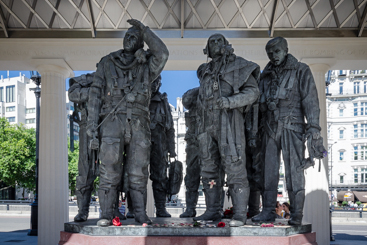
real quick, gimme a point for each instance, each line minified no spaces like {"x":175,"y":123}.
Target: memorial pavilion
{"x":58,"y":37}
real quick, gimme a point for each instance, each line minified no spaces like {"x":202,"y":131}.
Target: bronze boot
{"x":83,"y":200}
{"x":212,"y":201}
{"x":268,"y":214}
{"x":254,"y":203}
{"x":107,"y":201}
{"x":191,"y":201}
{"x":240,"y":196}
{"x":130,"y":213}
{"x":160,"y":203}
{"x":116,"y":211}
{"x":139,"y":201}
{"x":297,"y":201}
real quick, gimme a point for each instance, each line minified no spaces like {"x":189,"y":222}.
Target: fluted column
{"x":150,"y":199}
{"x":53,"y":155}
{"x":316,"y":209}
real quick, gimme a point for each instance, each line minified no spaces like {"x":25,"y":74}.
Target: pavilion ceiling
{"x":183,"y":18}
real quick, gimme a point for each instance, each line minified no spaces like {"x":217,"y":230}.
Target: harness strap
{"x":236,"y":78}
{"x":237,"y":136}
{"x":113,"y":74}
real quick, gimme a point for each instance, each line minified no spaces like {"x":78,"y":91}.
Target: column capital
{"x":320,"y":63}
{"x":53,"y":65}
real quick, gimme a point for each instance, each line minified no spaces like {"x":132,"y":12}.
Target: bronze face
{"x":277,"y":54}
{"x":131,"y":41}
{"x":215,"y":43}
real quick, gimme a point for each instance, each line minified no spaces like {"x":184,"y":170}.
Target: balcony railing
{"x":346,"y":182}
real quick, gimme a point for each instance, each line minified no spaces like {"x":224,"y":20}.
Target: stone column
{"x":316,"y":209}
{"x":53,"y":155}
{"x":150,"y":199}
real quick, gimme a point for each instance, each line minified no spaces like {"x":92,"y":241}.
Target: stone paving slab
{"x":178,"y":227}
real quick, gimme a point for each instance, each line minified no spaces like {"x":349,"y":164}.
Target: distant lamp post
{"x":34,"y":206}
{"x":331,"y":188}
{"x":71,"y":119}
{"x":331,"y":166}
{"x":327,"y":83}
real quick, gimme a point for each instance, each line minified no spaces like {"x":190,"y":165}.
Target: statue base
{"x":176,"y":231}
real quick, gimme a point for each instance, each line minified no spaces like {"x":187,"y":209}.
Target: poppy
{"x":116,"y":221}
{"x":221,"y":224}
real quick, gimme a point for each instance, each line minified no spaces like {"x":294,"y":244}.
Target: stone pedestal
{"x":133,"y":233}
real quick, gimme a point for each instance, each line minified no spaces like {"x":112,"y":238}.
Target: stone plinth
{"x":133,"y":233}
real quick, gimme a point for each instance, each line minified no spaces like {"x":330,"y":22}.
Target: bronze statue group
{"x":239,"y":121}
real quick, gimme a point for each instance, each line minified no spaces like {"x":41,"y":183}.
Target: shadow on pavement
{"x":350,"y":237}
{"x":17,"y":237}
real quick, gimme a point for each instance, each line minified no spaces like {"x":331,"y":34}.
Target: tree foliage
{"x":18,"y":155}
{"x":73,"y":158}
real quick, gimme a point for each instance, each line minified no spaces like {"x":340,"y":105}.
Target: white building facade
{"x":18,"y":102}
{"x":178,"y":115}
{"x":18,"y":106}
{"x":347,"y":129}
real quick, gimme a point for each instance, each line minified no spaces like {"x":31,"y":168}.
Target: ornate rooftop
{"x":183,"y":18}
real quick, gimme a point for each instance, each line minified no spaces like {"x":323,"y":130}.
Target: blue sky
{"x":174,"y":83}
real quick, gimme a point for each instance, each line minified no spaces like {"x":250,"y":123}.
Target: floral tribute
{"x":221,"y":224}
{"x":116,"y":221}
{"x":267,"y":225}
{"x":228,"y":213}
{"x":197,"y":224}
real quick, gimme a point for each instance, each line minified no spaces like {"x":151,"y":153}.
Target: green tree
{"x":18,"y":155}
{"x":73,"y":158}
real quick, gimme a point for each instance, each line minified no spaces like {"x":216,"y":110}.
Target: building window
{"x":341,"y":156}
{"x":341,"y":179}
{"x":363,"y":130}
{"x":363,"y":152}
{"x":72,"y":108}
{"x":363,"y":108}
{"x":30,"y":110}
{"x":356,"y":176}
{"x":340,"y":88}
{"x":341,"y":112}
{"x":356,"y":87}
{"x":1,"y":94}
{"x":355,"y":130}
{"x":11,"y":119}
{"x":355,"y":152}
{"x":10,"y":108}
{"x":10,"y":94}
{"x":341,"y":134}
{"x":364,"y":175}
{"x":355,"y":109}
{"x":31,"y":120}
{"x":365,"y":87}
